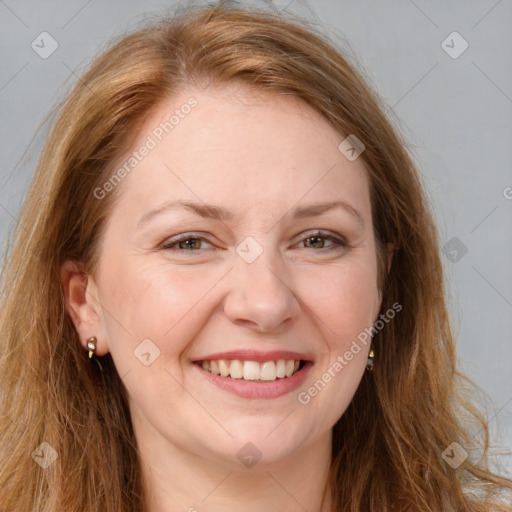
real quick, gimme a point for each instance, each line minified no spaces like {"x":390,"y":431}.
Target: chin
{"x":256,"y":445}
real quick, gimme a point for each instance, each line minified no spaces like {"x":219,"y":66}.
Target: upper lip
{"x":255,"y":355}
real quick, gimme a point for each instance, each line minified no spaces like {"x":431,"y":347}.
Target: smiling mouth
{"x":266,"y":371}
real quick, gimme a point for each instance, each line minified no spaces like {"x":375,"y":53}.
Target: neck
{"x":180,"y":481}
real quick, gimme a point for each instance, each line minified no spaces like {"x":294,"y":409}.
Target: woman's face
{"x":250,"y":284}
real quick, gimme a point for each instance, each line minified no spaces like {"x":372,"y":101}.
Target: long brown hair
{"x":388,"y":445}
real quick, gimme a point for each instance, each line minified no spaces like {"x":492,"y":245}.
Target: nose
{"x":261,"y":296}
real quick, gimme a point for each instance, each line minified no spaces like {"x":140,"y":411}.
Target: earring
{"x":91,"y":345}
{"x":369,"y":364}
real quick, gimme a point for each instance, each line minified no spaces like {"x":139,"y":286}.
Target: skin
{"x":260,"y":156}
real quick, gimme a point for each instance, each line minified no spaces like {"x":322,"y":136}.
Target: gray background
{"x":454,"y":112}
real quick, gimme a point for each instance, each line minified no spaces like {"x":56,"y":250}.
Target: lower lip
{"x":262,"y":390}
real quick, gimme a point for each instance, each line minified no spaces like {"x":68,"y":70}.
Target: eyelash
{"x":168,"y":245}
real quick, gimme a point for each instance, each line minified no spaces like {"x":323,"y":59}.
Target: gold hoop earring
{"x":91,"y":345}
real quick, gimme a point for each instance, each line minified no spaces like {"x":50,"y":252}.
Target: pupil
{"x":315,"y":238}
{"x":192,"y":240}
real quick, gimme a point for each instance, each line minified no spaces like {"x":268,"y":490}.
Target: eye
{"x":316,"y":238}
{"x":191,"y":242}
{"x":186,"y":242}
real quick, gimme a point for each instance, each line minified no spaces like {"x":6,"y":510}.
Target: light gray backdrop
{"x":452,"y":93}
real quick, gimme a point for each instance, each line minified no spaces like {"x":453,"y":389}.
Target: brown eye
{"x":317,"y":241}
{"x":195,"y":243}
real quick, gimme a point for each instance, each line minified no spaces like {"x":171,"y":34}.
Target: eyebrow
{"x":211,"y":211}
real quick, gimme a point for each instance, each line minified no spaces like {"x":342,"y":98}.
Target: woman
{"x":225,"y":292}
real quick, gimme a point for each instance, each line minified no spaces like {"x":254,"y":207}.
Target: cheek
{"x":153,"y":302}
{"x":346,"y":303}
{"x":345,"y":298}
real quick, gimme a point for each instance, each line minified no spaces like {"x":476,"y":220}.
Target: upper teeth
{"x":252,"y":370}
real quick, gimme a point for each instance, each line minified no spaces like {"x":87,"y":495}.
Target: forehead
{"x":251,"y":150}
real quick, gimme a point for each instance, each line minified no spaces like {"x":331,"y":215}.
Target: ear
{"x":82,"y":304}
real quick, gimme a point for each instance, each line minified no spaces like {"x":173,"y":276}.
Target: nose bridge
{"x":260,"y":293}
{"x":258,"y":265}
